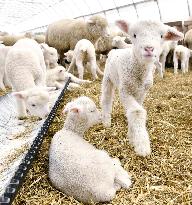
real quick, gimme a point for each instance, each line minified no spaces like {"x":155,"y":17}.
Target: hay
{"x":165,"y":177}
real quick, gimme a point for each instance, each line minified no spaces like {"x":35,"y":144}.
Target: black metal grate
{"x":17,"y":180}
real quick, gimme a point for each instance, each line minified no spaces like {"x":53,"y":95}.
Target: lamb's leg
{"x":2,"y":86}
{"x":80,"y":68}
{"x":183,"y":66}
{"x":77,"y":80}
{"x":72,"y":65}
{"x":187,"y":65}
{"x":107,"y":90}
{"x":137,"y":132}
{"x":163,"y":60}
{"x":93,"y":65}
{"x":122,"y":178}
{"x":175,"y":60}
{"x":21,"y":108}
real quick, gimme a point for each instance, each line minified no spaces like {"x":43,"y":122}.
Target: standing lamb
{"x":166,"y":48}
{"x":26,"y":72}
{"x":131,"y":71}
{"x":183,"y":54}
{"x":3,"y":54}
{"x":58,"y":76}
{"x":76,"y":167}
{"x":84,"y":52}
{"x":64,"y":34}
{"x":50,"y":55}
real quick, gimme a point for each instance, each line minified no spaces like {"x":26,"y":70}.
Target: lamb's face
{"x":37,"y":103}
{"x":36,"y":100}
{"x":148,"y":37}
{"x":60,"y":70}
{"x":52,"y":55}
{"x":84,"y":110}
{"x":68,"y":56}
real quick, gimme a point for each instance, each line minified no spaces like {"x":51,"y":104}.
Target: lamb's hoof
{"x":141,"y":143}
{"x":143,"y":148}
{"x":127,"y":182}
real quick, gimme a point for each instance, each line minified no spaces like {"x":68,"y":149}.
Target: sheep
{"x":188,"y":43}
{"x":26,"y":72}
{"x":131,"y":71}
{"x":3,"y":54}
{"x":64,"y":34}
{"x":119,"y":42}
{"x":10,"y":40}
{"x":50,"y":56}
{"x":103,"y":45}
{"x":166,"y":48}
{"x":76,"y":167}
{"x":83,"y":53}
{"x":58,"y":76}
{"x":181,"y":53}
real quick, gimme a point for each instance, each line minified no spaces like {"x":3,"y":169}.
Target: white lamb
{"x":119,"y":42}
{"x":183,"y":54}
{"x":50,"y":55}
{"x":84,"y":52}
{"x":26,"y":72}
{"x":58,"y":76}
{"x":76,"y":167}
{"x":166,"y":48}
{"x":131,"y":71}
{"x":3,"y":54}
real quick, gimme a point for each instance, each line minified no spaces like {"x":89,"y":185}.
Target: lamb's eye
{"x":92,"y":110}
{"x":33,"y":105}
{"x":161,"y":36}
{"x":134,"y":35}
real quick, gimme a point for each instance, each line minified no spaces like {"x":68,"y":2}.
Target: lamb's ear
{"x":123,"y":25}
{"x":20,"y":95}
{"x":173,"y":34}
{"x":43,"y":46}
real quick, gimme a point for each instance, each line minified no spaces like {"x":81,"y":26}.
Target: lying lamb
{"x":76,"y":167}
{"x":50,"y":55}
{"x":58,"y":76}
{"x":181,"y":53}
{"x":84,"y":52}
{"x":26,"y":71}
{"x":119,"y":42}
{"x":131,"y":71}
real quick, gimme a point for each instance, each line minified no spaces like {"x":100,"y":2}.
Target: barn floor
{"x":165,"y":177}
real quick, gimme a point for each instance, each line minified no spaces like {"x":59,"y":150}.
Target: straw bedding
{"x":165,"y":177}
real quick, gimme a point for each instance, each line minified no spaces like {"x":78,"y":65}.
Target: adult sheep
{"x":64,"y":34}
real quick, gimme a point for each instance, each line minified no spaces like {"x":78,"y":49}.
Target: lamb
{"x":166,"y":48}
{"x":64,"y":34}
{"x":26,"y":72}
{"x":119,"y":42}
{"x":58,"y":76}
{"x":50,"y":56}
{"x":76,"y":167}
{"x":131,"y":71}
{"x":181,"y":53}
{"x":3,"y":54}
{"x":84,"y":52}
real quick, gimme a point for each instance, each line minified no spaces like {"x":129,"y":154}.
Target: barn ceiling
{"x":34,"y":15}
